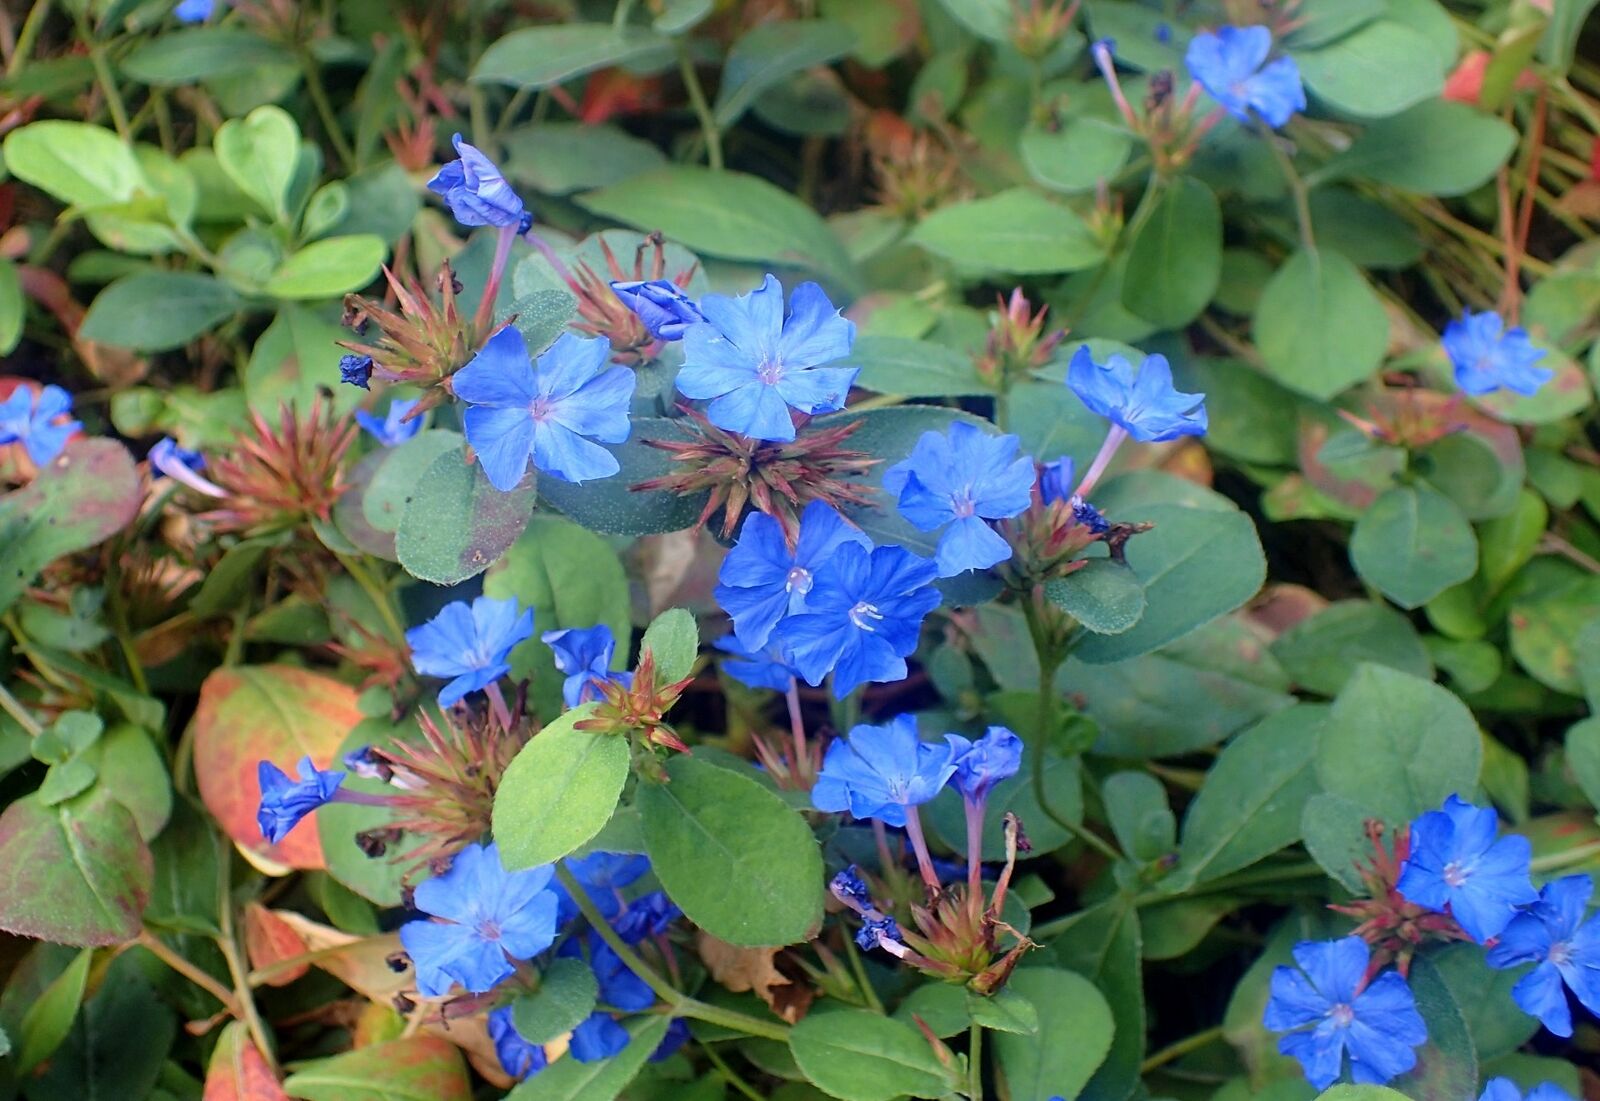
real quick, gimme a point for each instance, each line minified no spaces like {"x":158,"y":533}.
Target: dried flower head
{"x":283,"y":475}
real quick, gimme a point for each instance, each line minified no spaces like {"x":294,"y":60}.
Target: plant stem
{"x":729,"y":1075}
{"x":1173,"y":1052}
{"x":919,"y":845}
{"x":325,"y":112}
{"x":1297,"y":187}
{"x":974,"y":814}
{"x":27,"y":36}
{"x":1102,"y":459}
{"x":702,"y":109}
{"x":229,"y":945}
{"x":498,"y":701}
{"x":158,"y":948}
{"x":797,"y":727}
{"x":1552,"y":862}
{"x":975,"y":1062}
{"x":377,"y":593}
{"x":108,"y":85}
{"x":13,"y":707}
{"x":859,"y":969}
{"x":262,"y":975}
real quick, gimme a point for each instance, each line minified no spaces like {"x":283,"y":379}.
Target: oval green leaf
{"x":558,"y":791}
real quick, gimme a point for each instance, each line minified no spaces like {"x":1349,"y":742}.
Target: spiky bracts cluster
{"x":1048,"y":540}
{"x":444,"y":787}
{"x":425,"y":342}
{"x":602,"y":313}
{"x":779,"y":479}
{"x":638,"y":707}
{"x":1393,"y":926}
{"x":282,"y":475}
{"x":1017,"y":344}
{"x":916,"y":171}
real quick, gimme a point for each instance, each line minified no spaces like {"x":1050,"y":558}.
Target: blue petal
{"x":500,"y":374}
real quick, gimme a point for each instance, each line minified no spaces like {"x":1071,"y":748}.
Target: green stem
{"x":1297,"y":187}
{"x":702,"y":109}
{"x":620,"y":18}
{"x":729,"y":1075}
{"x":240,"y":973}
{"x":28,"y":35}
{"x":108,"y":84}
{"x":1173,"y":1052}
{"x":859,"y":970}
{"x":377,"y":593}
{"x":325,"y":112}
{"x":158,"y":948}
{"x":1553,"y":862}
{"x":13,"y":707}
{"x":680,"y":1004}
{"x":975,"y":1062}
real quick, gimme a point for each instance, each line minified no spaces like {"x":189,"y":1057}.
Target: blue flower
{"x":879,"y":771}
{"x":761,"y":580}
{"x":1488,"y":357}
{"x":165,"y":454}
{"x":33,"y":421}
{"x":476,"y":192}
{"x":619,"y":987}
{"x":755,"y":668}
{"x":1229,"y":66}
{"x":851,"y":889}
{"x":356,"y":370}
{"x":649,"y":915}
{"x":194,"y":11}
{"x":875,"y":930}
{"x":518,"y":1058}
{"x":1146,"y":405}
{"x":677,"y":1035}
{"x":862,"y":616}
{"x":602,"y":875}
{"x":1057,"y":480}
{"x":753,"y":363}
{"x":553,"y":412}
{"x":1504,"y":1089}
{"x":491,"y":917}
{"x":982,"y":764}
{"x":661,"y":304}
{"x":958,"y":480}
{"x":470,"y":645}
{"x":1553,"y":934}
{"x":393,"y":430}
{"x":1456,"y":862}
{"x":1329,"y":1010}
{"x":583,"y":656}
{"x":598,"y":1037}
{"x":284,"y":801}
{"x":1090,"y":517}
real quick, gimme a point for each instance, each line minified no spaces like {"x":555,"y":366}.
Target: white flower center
{"x":862,"y":612}
{"x":1342,"y":1015}
{"x":1455,"y":874}
{"x":770,"y":371}
{"x":798,"y":581}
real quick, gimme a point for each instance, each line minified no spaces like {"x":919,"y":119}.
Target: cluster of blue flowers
{"x":1456,"y":863}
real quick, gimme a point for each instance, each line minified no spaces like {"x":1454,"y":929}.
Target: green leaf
{"x":417,"y":1068}
{"x":1447,"y":1065}
{"x":740,"y":863}
{"x":559,"y":158}
{"x":727,"y":214}
{"x":1483,"y":995}
{"x":991,"y":19}
{"x":293,"y":361}
{"x":1319,"y":327}
{"x":78,"y":164}
{"x":537,"y":57}
{"x":1583,"y":757}
{"x":1251,"y":802}
{"x":1007,"y":1010}
{"x":1334,"y":831}
{"x":383,"y":503}
{"x":379,"y":880}
{"x":1413,"y":544}
{"x":87,"y":494}
{"x":76,"y":873}
{"x":49,"y":1019}
{"x":154,"y":311}
{"x":134,"y":771}
{"x":1560,"y":42}
{"x":1105,"y":596}
{"x":1139,"y":815}
{"x":1378,"y":71}
{"x":674,"y":638}
{"x":1437,"y":147}
{"x":1322,"y":652}
{"x":1076,"y":156}
{"x":569,"y":1080}
{"x":913,"y":368}
{"x":329,"y":267}
{"x":769,"y":53}
{"x":259,"y":153}
{"x":858,"y":1055}
{"x":189,"y":55}
{"x":558,"y":791}
{"x":12,"y":306}
{"x":610,"y":507}
{"x":1397,"y":745}
{"x":1565,"y":394}
{"x":1321,"y":21}
{"x":541,"y":317}
{"x":1041,"y":1065}
{"x":456,"y":525}
{"x":1018,"y":231}
{"x":1196,"y":564}
{"x":566,"y":996}
{"x":1105,"y":946}
{"x":1175,"y":260}
{"x":1548,"y":628}
{"x":117,"y":1045}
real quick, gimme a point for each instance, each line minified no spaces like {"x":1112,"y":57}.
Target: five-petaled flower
{"x":1231,"y":65}
{"x":518,"y":1058}
{"x":1328,"y":1008}
{"x":753,"y":363}
{"x":761,"y":580}
{"x":34,"y":420}
{"x":982,"y":764}
{"x":1457,"y":861}
{"x":284,"y":802}
{"x":879,"y":771}
{"x":392,"y":429}
{"x":1553,"y":934}
{"x":553,"y":412}
{"x":1486,"y":356}
{"x":476,"y":191}
{"x":959,"y":480}
{"x":1504,"y":1089}
{"x":661,"y":304}
{"x":491,"y":917}
{"x":469,"y":644}
{"x":862,"y":616}
{"x":1144,"y":404}
{"x":583,"y":656}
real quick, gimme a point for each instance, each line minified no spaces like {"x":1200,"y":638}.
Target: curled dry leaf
{"x":755,"y":969}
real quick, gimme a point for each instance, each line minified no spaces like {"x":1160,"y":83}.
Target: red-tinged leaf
{"x":76,"y":873}
{"x":238,"y":1072}
{"x":364,"y":964}
{"x":418,"y":1068}
{"x":249,"y":714}
{"x":269,"y":940}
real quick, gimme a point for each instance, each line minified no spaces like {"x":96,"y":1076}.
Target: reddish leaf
{"x":250,"y":714}
{"x":238,"y":1072}
{"x":269,"y":940}
{"x":418,"y":1066}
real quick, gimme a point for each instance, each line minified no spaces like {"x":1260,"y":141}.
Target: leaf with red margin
{"x":269,"y":940}
{"x":238,"y":1072}
{"x":253,"y":713}
{"x":76,"y":873}
{"x":418,"y":1068}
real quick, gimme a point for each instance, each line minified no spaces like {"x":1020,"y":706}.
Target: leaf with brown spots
{"x":238,"y":1072}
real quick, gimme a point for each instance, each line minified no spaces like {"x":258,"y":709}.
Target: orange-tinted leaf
{"x":269,"y":940}
{"x":249,"y":714}
{"x":363,"y":966}
{"x":418,"y":1066}
{"x":238,"y":1072}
